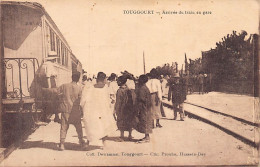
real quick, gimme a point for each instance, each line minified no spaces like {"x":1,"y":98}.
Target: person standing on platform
{"x":164,"y":82}
{"x":154,"y":86}
{"x":201,"y":83}
{"x":84,"y":80}
{"x":206,"y":83}
{"x":143,"y":109}
{"x":70,"y":95}
{"x":124,"y":108}
{"x":97,"y":112}
{"x":177,"y":93}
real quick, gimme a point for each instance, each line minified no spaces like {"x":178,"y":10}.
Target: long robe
{"x":143,"y":108}
{"x":124,"y":109}
{"x":97,"y":113}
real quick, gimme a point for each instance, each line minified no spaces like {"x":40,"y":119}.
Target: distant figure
{"x":124,"y":108}
{"x":154,"y":86}
{"x":206,"y":83}
{"x":97,"y":112}
{"x":177,"y":93}
{"x":201,"y":84}
{"x":84,"y":80}
{"x":165,"y":87}
{"x":70,"y":94}
{"x":143,"y":109}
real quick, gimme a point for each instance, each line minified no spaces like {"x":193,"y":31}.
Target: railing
{"x":19,"y":75}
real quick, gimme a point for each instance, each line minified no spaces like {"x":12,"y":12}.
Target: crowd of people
{"x":106,"y":104}
{"x":201,"y":83}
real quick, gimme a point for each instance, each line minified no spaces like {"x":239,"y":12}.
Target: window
{"x":62,"y":53}
{"x":58,"y":49}
{"x":66,"y":58}
{"x":48,"y":37}
{"x":56,"y":45}
{"x":52,"y":38}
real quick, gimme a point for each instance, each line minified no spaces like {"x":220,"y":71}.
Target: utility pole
{"x":144,"y":62}
{"x":256,"y":65}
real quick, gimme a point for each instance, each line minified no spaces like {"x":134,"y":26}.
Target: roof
{"x":36,"y":5}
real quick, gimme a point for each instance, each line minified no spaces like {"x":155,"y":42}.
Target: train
{"x":36,"y":58}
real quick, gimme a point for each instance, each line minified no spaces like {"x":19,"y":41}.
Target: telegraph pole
{"x":256,"y":65}
{"x":144,"y":62}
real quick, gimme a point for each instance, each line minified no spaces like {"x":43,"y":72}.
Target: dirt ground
{"x":190,"y":142}
{"x":241,"y":106}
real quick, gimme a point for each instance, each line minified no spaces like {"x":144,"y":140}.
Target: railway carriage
{"x":36,"y":59}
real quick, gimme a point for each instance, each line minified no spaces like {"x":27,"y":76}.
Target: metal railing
{"x":19,"y":73}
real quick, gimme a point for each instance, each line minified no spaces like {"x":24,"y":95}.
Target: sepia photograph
{"x":129,"y":83}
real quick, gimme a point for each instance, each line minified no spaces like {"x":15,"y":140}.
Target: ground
{"x":188,"y":142}
{"x":241,"y":106}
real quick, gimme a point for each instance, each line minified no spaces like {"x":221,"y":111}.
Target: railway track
{"x":227,"y":115}
{"x":242,"y":129}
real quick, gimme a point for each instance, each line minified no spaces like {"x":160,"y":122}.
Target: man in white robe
{"x":97,"y":113}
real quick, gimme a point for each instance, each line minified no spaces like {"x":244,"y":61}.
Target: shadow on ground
{"x":55,"y":146}
{"x":117,"y":139}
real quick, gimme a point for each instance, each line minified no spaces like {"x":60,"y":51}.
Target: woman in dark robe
{"x":143,"y":108}
{"x":124,"y":108}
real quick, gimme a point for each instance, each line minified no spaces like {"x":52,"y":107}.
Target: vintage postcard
{"x":129,"y":83}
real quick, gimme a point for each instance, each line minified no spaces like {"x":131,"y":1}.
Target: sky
{"x":105,"y":39}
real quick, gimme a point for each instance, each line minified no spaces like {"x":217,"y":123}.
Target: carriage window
{"x":62,"y":53}
{"x":48,"y":36}
{"x":52,"y":38}
{"x":74,"y":67}
{"x":65,"y":52}
{"x":55,"y":41}
{"x":66,"y":58}
{"x":58,"y":49}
